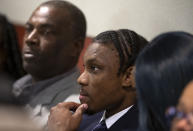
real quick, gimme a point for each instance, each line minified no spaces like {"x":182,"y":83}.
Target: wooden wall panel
{"x":20,"y":33}
{"x":80,"y":63}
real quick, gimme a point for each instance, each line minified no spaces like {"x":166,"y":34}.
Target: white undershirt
{"x":111,"y":120}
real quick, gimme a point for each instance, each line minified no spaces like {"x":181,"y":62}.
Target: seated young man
{"x":107,"y":83}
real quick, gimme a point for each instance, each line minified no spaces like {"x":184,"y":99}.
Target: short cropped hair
{"x":77,"y":18}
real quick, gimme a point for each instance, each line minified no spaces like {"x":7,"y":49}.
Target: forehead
{"x":49,"y":15}
{"x":102,"y":53}
{"x":187,"y":97}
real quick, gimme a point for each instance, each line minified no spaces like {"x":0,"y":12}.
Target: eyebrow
{"x":28,"y":24}
{"x":94,"y":61}
{"x":91,"y":60}
{"x":46,"y":25}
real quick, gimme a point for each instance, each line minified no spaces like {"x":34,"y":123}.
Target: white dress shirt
{"x":112,"y":119}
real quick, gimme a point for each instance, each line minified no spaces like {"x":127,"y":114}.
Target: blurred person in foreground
{"x":163,"y":69}
{"x":181,"y":116}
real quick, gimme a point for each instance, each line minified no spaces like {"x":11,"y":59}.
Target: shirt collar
{"x":112,"y":119}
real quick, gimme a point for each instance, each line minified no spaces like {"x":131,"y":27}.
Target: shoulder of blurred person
{"x":6,"y":82}
{"x":14,"y":118}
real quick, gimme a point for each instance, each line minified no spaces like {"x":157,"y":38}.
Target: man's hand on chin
{"x":62,"y":117}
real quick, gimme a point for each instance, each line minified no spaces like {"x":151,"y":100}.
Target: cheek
{"x":25,"y":38}
{"x":101,"y":89}
{"x":96,"y":87}
{"x":97,"y":90}
{"x":44,"y":43}
{"x":178,"y":125}
{"x":47,"y":47}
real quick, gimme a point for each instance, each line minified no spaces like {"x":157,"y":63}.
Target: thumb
{"x":79,"y":111}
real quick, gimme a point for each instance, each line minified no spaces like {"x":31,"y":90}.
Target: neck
{"x":39,"y":77}
{"x":131,"y":100}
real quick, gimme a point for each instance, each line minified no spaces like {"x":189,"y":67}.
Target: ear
{"x":128,"y":79}
{"x":78,"y":45}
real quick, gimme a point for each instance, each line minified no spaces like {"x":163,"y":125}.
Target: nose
{"x":83,"y":79}
{"x":31,"y":38}
{"x":182,"y":125}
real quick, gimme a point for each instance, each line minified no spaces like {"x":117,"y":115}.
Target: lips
{"x":29,"y":54}
{"x":83,"y":96}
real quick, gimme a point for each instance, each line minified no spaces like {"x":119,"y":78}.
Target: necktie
{"x":101,"y":126}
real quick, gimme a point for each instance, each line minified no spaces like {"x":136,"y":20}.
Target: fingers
{"x":79,"y":111}
{"x":66,"y":105}
{"x":77,"y":116}
{"x":62,"y":111}
{"x":61,"y":118}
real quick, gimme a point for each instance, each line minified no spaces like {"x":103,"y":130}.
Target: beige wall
{"x":147,"y":17}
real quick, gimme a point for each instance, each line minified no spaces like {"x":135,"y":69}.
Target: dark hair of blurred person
{"x":162,"y":71}
{"x":10,"y":58}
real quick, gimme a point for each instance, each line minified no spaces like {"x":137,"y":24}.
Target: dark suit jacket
{"x":90,"y":121}
{"x":128,"y":122}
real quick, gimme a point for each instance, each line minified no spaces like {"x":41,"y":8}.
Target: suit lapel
{"x":128,"y":122}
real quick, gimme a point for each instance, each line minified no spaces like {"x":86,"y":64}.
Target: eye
{"x":28,"y":28}
{"x":45,"y":32}
{"x":93,"y":69}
